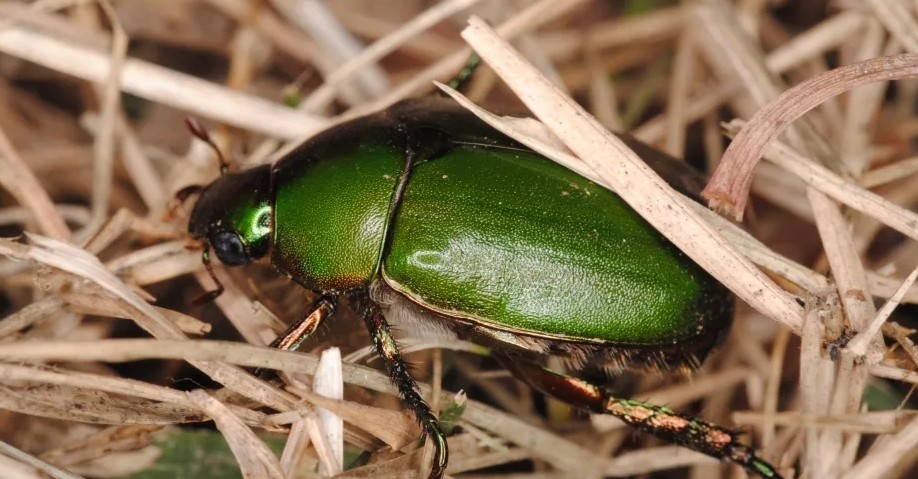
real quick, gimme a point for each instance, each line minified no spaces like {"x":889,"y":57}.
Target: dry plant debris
{"x":96,"y":381}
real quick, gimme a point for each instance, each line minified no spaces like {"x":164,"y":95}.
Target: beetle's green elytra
{"x":516,"y":242}
{"x":425,"y":216}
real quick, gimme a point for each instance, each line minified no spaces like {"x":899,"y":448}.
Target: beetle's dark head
{"x":234,"y":215}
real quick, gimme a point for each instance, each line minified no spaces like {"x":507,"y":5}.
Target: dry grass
{"x":89,"y":174}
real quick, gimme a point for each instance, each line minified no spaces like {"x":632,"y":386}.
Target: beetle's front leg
{"x":659,"y":421}
{"x":387,"y":349}
{"x":296,"y":333}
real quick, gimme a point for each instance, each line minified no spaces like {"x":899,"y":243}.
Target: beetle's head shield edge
{"x":234,"y":215}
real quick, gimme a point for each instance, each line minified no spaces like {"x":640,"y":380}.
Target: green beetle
{"x":424,"y":216}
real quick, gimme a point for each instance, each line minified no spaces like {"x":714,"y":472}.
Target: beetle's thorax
{"x":234,"y":214}
{"x":333,"y":201}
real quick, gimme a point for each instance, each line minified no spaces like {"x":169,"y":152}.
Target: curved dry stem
{"x":728,"y":189}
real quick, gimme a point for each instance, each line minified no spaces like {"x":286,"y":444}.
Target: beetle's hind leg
{"x":387,"y":349}
{"x":659,"y":421}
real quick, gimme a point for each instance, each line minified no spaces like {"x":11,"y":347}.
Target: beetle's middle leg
{"x":387,"y":349}
{"x":662,"y":422}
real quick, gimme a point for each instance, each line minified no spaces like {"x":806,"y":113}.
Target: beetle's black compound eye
{"x":229,"y":248}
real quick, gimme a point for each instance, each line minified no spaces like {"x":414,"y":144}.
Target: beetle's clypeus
{"x":425,"y":216}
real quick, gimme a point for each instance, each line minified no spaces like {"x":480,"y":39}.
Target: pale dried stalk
{"x":851,"y":282}
{"x":890,"y":173}
{"x":19,"y":180}
{"x":901,"y":336}
{"x":336,"y":42}
{"x":862,"y":105}
{"x":773,"y":385}
{"x":255,"y":326}
{"x":805,"y":46}
{"x":142,"y":173}
{"x":654,"y":129}
{"x":858,"y":345}
{"x":109,"y":92}
{"x":144,"y":176}
{"x":847,"y":269}
{"x":487,"y":459}
{"x":866,"y":227}
{"x":319,"y":440}
{"x":786,"y":192}
{"x":79,"y":262}
{"x":161,"y":85}
{"x":898,"y":20}
{"x":130,"y":387}
{"x":328,"y":383}
{"x":20,"y":215}
{"x":603,"y":99}
{"x":634,"y":181}
{"x":395,"y":428}
{"x":425,"y":46}
{"x":525,"y":21}
{"x":561,"y":453}
{"x":873,"y":422}
{"x":125,"y":220}
{"x":827,"y":35}
{"x":833,"y":185}
{"x":654,"y":459}
{"x":880,"y":460}
{"x":30,"y":314}
{"x":656,"y":26}
{"x":816,"y":379}
{"x":46,"y":469}
{"x":322,"y":96}
{"x":274,"y":29}
{"x":733,"y":55}
{"x":98,"y":305}
{"x":56,"y":402}
{"x":255,"y":459}
{"x":168,"y":266}
{"x":892,"y":372}
{"x":679,"y":86}
{"x":295,"y":447}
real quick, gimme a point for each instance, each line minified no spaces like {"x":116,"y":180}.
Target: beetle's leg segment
{"x":209,"y":296}
{"x":407,"y":388}
{"x":659,"y":421}
{"x":296,"y":333}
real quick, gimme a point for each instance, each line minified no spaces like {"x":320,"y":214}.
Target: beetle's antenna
{"x":213,"y":294}
{"x":199,"y":132}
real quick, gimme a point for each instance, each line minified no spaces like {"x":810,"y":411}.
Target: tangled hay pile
{"x":110,"y":370}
